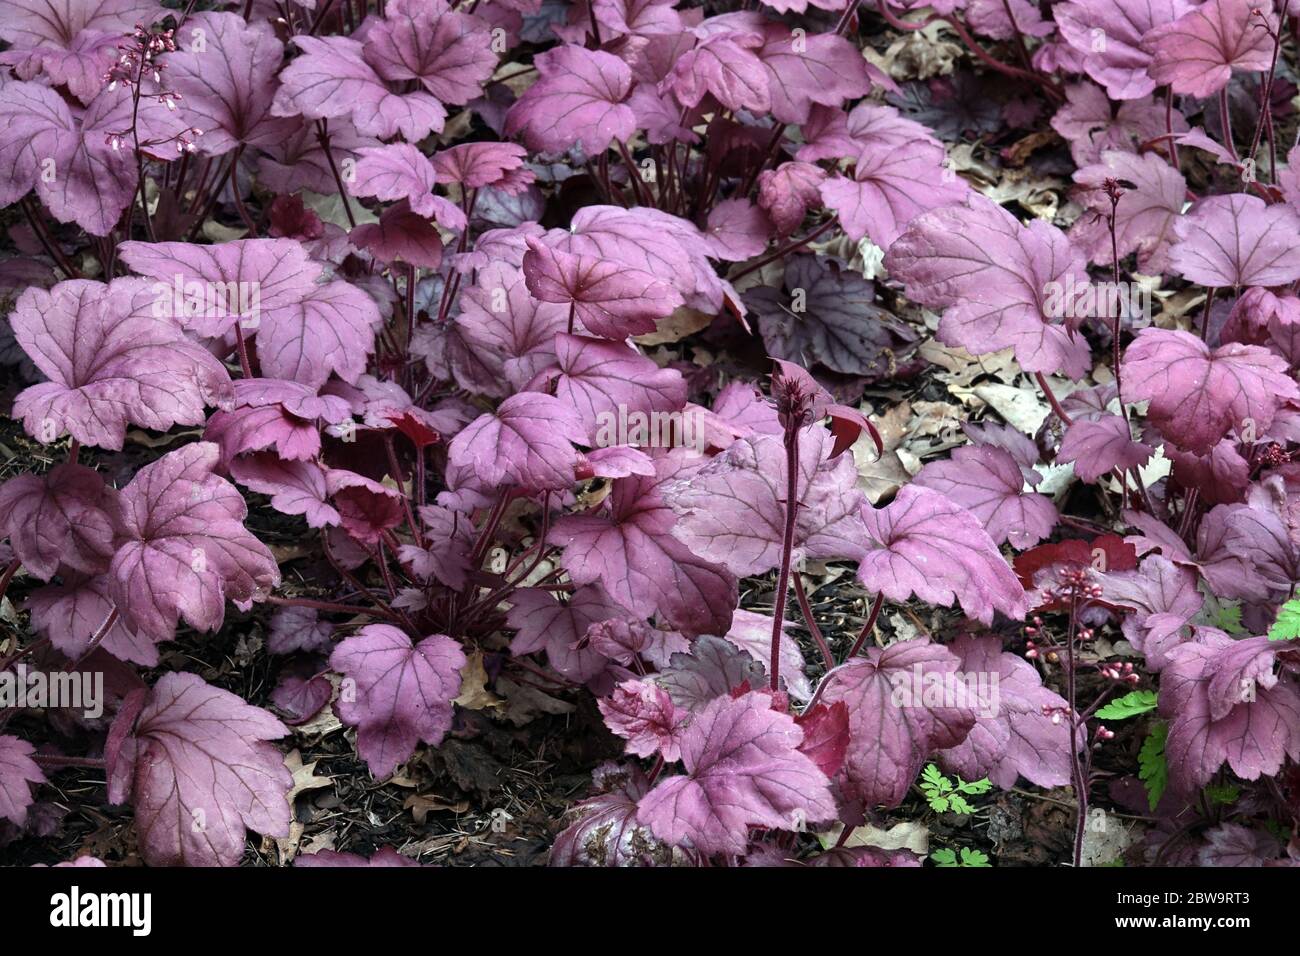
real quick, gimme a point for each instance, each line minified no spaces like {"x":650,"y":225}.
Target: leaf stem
{"x":57,"y":762}
{"x":323,"y":137}
{"x":241,"y":345}
{"x":787,"y":546}
{"x":22,"y":652}
{"x":1225,"y":121}
{"x":813,"y":629}
{"x":1266,"y":105}
{"x":10,"y":570}
{"x":98,"y":637}
{"x":783,"y":251}
{"x":634,"y":175}
{"x":1061,"y":413}
{"x":47,"y":243}
{"x":867,"y":627}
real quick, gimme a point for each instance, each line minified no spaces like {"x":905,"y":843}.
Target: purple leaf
{"x":1012,"y":736}
{"x":36,"y":127}
{"x":400,"y":235}
{"x":1011,"y":440}
{"x":925,"y":545}
{"x":1246,"y":553}
{"x":298,"y":629}
{"x":331,"y":78}
{"x":1221,"y":477}
{"x":18,"y":772}
{"x":1197,"y":53}
{"x":399,"y":694}
{"x":273,"y":412}
{"x":1107,"y":35}
{"x":578,"y":99}
{"x":451,"y":54}
{"x":713,"y":668}
{"x":644,"y":715}
{"x":1144,"y":217}
{"x":1092,"y":126}
{"x":743,"y":769}
{"x":299,"y":160}
{"x":301,"y":698}
{"x":543,"y":623}
{"x":304,"y":330}
{"x":475,"y":165}
{"x":607,"y":382}
{"x":731,"y":511}
{"x":868,"y":128}
{"x":509,"y":332}
{"x":804,"y":70}
{"x":641,"y":17}
{"x":1003,"y":19}
{"x":93,"y":182}
{"x":295,"y":487}
{"x":665,"y":246}
{"x":1197,"y":394}
{"x":400,"y":171}
{"x":737,"y":230}
{"x":1162,"y":597}
{"x":623,"y":641}
{"x":752,"y":633}
{"x":185,"y":549}
{"x":891,"y":186}
{"x":727,"y":67}
{"x":279,"y":269}
{"x":366,"y":508}
{"x":527,"y":441}
{"x":826,"y":314}
{"x":224,"y":69}
{"x":628,"y":545}
{"x":109,"y":361}
{"x":988,"y":482}
{"x":989,"y":274}
{"x":892,"y":727}
{"x":1097,"y":447}
{"x":69,"y":614}
{"x":607,"y":297}
{"x":605,"y":831}
{"x":825,"y":736}
{"x":331,"y":329}
{"x":1231,"y":844}
{"x":194,"y":763}
{"x":62,"y":517}
{"x":788,"y":192}
{"x":1237,"y":240}
{"x":1225,"y":703}
{"x":73,"y":44}
{"x":448,"y":545}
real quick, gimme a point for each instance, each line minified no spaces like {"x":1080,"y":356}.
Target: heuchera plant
{"x":547,"y":325}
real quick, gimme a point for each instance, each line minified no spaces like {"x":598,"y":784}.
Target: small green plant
{"x":969,"y":858}
{"x":1220,"y":794}
{"x":1130,"y":705}
{"x":1153,"y":769}
{"x":1287,"y":625}
{"x":946,"y":796}
{"x":1228,"y":618}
